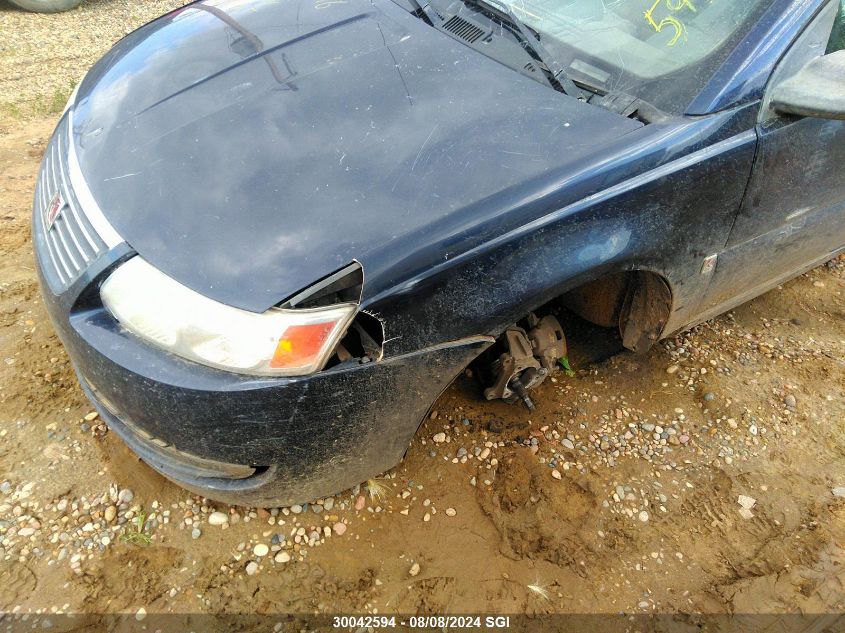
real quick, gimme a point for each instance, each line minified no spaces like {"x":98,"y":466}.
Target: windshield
{"x":662,"y":51}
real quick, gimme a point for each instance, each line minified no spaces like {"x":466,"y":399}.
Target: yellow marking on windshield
{"x":680,"y":4}
{"x":670,"y":21}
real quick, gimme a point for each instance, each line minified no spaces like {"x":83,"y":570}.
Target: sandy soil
{"x":757,"y":396}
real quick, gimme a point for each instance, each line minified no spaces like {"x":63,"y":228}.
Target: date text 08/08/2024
{"x":422,"y":622}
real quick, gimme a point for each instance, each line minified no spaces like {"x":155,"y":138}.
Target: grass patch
{"x":376,"y":490}
{"x":52,"y":104}
{"x":10,"y":110}
{"x":539,"y":590}
{"x":137,"y":535}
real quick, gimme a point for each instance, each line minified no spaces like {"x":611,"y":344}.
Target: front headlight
{"x":278,"y":342}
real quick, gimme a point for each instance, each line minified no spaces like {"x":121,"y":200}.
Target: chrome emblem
{"x":54,"y":209}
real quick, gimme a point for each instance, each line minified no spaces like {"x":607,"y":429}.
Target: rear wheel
{"x":46,"y":6}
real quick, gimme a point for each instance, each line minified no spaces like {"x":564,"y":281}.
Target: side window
{"x":837,"y":37}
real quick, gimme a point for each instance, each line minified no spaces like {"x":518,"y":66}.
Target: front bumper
{"x":304,"y":438}
{"x":234,"y":438}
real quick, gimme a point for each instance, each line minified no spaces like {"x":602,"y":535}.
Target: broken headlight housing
{"x":179,"y":320}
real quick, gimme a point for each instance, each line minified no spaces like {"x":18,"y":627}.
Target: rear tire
{"x":47,"y":6}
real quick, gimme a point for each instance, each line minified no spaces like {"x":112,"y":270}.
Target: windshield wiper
{"x":423,"y":11}
{"x":554,"y":71}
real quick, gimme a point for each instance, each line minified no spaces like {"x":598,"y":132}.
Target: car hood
{"x":248,"y":149}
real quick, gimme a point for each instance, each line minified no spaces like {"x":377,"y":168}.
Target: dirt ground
{"x":703,"y":477}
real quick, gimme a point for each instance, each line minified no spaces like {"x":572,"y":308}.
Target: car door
{"x":793,"y":213}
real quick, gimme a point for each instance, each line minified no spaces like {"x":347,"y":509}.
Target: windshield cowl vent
{"x":464,"y":29}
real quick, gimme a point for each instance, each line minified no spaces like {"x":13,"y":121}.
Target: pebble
{"x":261,"y":550}
{"x":125,"y":496}
{"x":251,"y":568}
{"x":839,"y":491}
{"x":567,"y":443}
{"x":26,"y":532}
{"x":196,"y":533}
{"x":339,"y":528}
{"x":439,"y":437}
{"x":450,"y":512}
{"x":359,"y":503}
{"x":745,"y":513}
{"x":282,"y":557}
{"x":746,"y":501}
{"x":643,"y":516}
{"x":415,"y":569}
{"x":5,"y":487}
{"x":142,"y":612}
{"x":111,"y":513}
{"x":790,"y":401}
{"x":556,"y":474}
{"x":218,"y":518}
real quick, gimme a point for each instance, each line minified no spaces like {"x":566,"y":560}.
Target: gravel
{"x":43,"y":56}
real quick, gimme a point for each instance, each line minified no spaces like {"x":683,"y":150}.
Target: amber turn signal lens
{"x":300,"y":344}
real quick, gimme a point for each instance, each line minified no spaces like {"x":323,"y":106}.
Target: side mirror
{"x":817,"y":90}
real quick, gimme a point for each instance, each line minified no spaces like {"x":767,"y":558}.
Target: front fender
{"x":666,"y":219}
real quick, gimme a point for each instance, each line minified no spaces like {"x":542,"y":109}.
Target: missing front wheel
{"x":522,"y":358}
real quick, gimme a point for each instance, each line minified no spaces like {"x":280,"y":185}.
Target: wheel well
{"x":638,"y":302}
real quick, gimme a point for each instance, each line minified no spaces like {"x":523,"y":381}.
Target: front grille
{"x":70,"y":244}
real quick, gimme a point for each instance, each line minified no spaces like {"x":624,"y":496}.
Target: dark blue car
{"x":271,"y":232}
